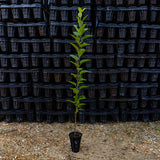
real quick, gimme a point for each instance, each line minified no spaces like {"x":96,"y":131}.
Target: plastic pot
{"x":132,"y":15}
{"x":13,"y":76}
{"x":99,"y":63}
{"x":110,"y":62}
{"x":14,"y":62}
{"x":48,"y":92}
{"x":143,"y":15}
{"x":102,"y":77}
{"x":124,"y":76}
{"x":143,"y":77}
{"x":111,"y":105}
{"x":91,"y":93}
{"x":151,"y":62}
{"x":92,"y":118}
{"x":49,"y":119}
{"x":4,"y":61}
{"x":64,"y":15}
{"x":153,"y":91}
{"x":67,"y":62}
{"x":143,"y":91}
{"x":11,"y":31}
{"x":75,"y":139}
{"x":6,"y":103}
{"x":4,"y":92}
{"x":143,"y":33}
{"x":32,"y":31}
{"x":134,"y":104}
{"x":5,"y":13}
{"x":153,"y":77}
{"x":120,"y":16}
{"x":140,"y":62}
{"x":133,"y":76}
{"x":22,"y":31}
{"x":134,"y":117}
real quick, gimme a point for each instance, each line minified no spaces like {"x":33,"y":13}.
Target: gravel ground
{"x":109,"y":141}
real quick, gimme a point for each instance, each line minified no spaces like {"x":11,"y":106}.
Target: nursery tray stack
{"x":23,"y":33}
{"x":129,"y":31}
{"x":35,"y":64}
{"x":56,"y":64}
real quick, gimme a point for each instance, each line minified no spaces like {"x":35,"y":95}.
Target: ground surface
{"x":110,"y":141}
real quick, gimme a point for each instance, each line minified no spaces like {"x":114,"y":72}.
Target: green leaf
{"x":82,"y":79}
{"x":84,"y":71}
{"x":84,"y":45}
{"x":82,"y":29}
{"x":80,"y":22}
{"x":74,"y":75}
{"x":84,"y":61}
{"x":79,"y":69}
{"x":74,"y":63}
{"x":76,"y":27}
{"x":79,"y":10}
{"x":80,"y":15}
{"x":74,"y":57}
{"x":84,"y":18}
{"x":82,"y":97}
{"x":82,"y":87}
{"x":86,"y":37}
{"x":75,"y":90}
{"x":82,"y":104}
{"x":76,"y":34}
{"x":72,"y":83}
{"x":70,"y":101}
{"x":81,"y":109}
{"x":83,"y":9}
{"x":76,"y":38}
{"x":75,"y":46}
{"x":81,"y":52}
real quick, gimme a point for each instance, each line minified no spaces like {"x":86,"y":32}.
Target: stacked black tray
{"x":23,"y":32}
{"x":35,"y":64}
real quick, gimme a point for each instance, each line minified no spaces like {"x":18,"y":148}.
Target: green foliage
{"x":79,"y":46}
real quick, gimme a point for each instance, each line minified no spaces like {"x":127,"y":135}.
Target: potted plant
{"x":79,"y":46}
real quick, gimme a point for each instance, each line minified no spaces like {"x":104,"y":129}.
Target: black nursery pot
{"x":75,"y":139}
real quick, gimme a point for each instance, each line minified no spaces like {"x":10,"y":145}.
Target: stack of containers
{"x":56,"y":64}
{"x":35,"y":63}
{"x":23,"y":23}
{"x":129,"y":31}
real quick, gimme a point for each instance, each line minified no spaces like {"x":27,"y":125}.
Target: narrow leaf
{"x":75,"y":26}
{"x":84,"y":17}
{"x":70,"y":101}
{"x":77,"y":39}
{"x":81,"y":52}
{"x":82,"y":104}
{"x":75,"y":46}
{"x":84,"y":71}
{"x":74,"y":57}
{"x":84,"y":45}
{"x":82,"y":97}
{"x":76,"y":34}
{"x":84,"y":61}
{"x":72,"y":83}
{"x":74,"y":75}
{"x":82,"y":87}
{"x":74,"y":63}
{"x":86,"y":37}
{"x":82,"y":79}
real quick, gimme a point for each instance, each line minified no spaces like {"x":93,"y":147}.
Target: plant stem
{"x":77,"y":94}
